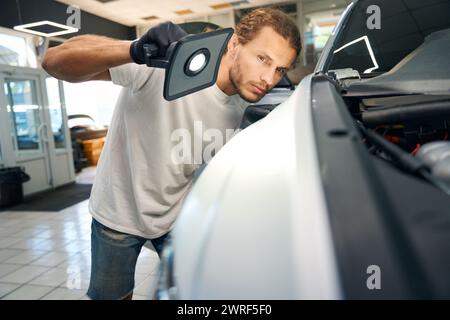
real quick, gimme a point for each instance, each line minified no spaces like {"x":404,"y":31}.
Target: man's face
{"x":260,"y":64}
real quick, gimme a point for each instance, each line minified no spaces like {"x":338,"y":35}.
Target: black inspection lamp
{"x":191,"y":63}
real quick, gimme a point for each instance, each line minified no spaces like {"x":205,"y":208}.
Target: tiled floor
{"x":87,"y":175}
{"x":46,"y":255}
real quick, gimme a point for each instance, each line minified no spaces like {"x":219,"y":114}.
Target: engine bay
{"x":404,"y":114}
{"x":409,"y":131}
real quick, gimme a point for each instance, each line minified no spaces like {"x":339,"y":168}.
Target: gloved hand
{"x":162,"y":35}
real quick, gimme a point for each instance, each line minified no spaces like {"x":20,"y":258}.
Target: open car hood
{"x":426,"y":68}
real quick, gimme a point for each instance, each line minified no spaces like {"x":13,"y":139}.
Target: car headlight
{"x":166,"y":284}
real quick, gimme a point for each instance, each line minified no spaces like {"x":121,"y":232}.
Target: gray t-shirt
{"x":139,"y":188}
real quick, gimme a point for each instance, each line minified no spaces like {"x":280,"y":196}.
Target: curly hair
{"x":280,"y":22}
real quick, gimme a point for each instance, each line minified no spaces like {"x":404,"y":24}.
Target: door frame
{"x":10,"y":156}
{"x":54,"y":152}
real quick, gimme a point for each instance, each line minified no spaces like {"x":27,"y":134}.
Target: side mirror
{"x":192,"y":63}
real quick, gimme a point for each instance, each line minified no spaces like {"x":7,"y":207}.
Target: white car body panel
{"x":255,"y":224}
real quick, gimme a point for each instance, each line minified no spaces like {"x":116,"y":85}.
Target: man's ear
{"x":232,"y":46}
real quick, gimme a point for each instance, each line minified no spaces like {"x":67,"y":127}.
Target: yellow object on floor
{"x":92,"y":149}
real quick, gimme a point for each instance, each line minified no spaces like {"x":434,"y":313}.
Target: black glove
{"x":162,"y":35}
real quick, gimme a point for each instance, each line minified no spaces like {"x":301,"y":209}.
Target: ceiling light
{"x":238,"y":3}
{"x":46,"y":28}
{"x":219,"y":6}
{"x":150,"y":18}
{"x":184,"y":12}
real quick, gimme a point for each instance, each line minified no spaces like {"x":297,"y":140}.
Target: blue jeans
{"x":114,"y":255}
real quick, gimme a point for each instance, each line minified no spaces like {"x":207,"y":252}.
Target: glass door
{"x":24,"y":115}
{"x":33,"y":128}
{"x":61,"y":156}
{"x":55,"y":110}
{"x":27,"y":130}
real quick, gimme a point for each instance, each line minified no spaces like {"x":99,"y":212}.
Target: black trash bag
{"x":11,"y":190}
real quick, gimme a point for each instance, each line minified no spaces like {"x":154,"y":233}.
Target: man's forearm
{"x":84,"y":57}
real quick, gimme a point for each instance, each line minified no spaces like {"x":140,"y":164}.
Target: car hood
{"x":425,"y":70}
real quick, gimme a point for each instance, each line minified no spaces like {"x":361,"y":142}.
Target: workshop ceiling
{"x":139,"y":12}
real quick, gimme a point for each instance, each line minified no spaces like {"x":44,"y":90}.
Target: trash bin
{"x":11,"y":190}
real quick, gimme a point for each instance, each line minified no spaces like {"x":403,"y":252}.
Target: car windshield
{"x":378,"y":34}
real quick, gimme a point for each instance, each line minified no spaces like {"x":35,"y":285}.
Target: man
{"x":138,"y":188}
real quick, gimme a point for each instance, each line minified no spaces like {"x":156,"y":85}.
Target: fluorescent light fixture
{"x":369,"y":48}
{"x":42,"y":26}
{"x":238,"y":3}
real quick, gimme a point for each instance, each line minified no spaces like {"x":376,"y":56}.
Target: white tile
{"x":48,"y":224}
{"x":24,"y":274}
{"x":6,"y":268}
{"x":147,"y":259}
{"x":139,"y":297}
{"x":67,"y":235}
{"x":51,"y":259}
{"x":87,"y":175}
{"x":55,"y":216}
{"x":5,"y":254}
{"x":5,"y":214}
{"x":147,"y":267}
{"x":26,"y":257}
{"x":11,"y":231}
{"x":50,"y":244}
{"x":6,"y":288}
{"x":81,"y":283}
{"x":148,"y":287}
{"x":32,"y":232}
{"x":48,"y":215}
{"x":85,"y":298}
{"x":26,"y":224}
{"x":148,"y":251}
{"x":28,"y":292}
{"x":31,"y":243}
{"x":44,"y":233}
{"x":139,"y":278}
{"x":77,"y":278}
{"x":83,"y":265}
{"x":85,"y":237}
{"x":21,"y":214}
{"x":53,"y":278}
{"x":65,"y":294}
{"x":78,"y":212}
{"x":6,"y":223}
{"x":86,"y":245}
{"x":5,"y":242}
{"x":73,"y":246}
{"x":81,"y":259}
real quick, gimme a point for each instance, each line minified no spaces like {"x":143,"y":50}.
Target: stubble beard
{"x":235,"y":77}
